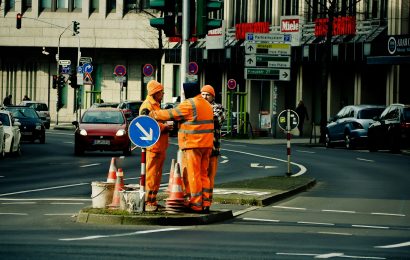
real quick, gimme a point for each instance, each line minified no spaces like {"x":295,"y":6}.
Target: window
{"x":111,"y":6}
{"x":45,"y":5}
{"x":62,"y":4}
{"x":95,"y":4}
{"x":10,"y":5}
{"x":135,"y":6}
{"x":27,"y":5}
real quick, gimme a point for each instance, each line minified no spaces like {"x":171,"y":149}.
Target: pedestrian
{"x":26,"y":98}
{"x":195,"y":140}
{"x":208,"y":93}
{"x":7,"y":100}
{"x":155,"y":154}
{"x":301,"y":110}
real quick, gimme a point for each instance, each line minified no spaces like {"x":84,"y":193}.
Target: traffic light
{"x":59,"y":103}
{"x":73,"y":81}
{"x":167,"y":21}
{"x":18,"y":20}
{"x":55,"y":82}
{"x":76,"y":28}
{"x":60,"y":82}
{"x":203,"y":22}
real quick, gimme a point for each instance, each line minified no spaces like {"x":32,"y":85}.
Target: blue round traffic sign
{"x":88,"y":68}
{"x":148,"y":70}
{"x":144,"y":131}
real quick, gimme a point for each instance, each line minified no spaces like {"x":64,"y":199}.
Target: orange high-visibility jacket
{"x":196,"y":122}
{"x":162,"y":143}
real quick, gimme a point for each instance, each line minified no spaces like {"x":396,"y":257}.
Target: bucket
{"x":129,"y":200}
{"x":102,"y":193}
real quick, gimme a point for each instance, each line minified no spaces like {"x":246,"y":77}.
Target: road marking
{"x":224,"y":161}
{"x":2,"y":176}
{"x":256,"y":165}
{"x":261,"y":219}
{"x":338,"y":211}
{"x":234,"y":144}
{"x":315,"y":223}
{"x":365,"y":160}
{"x":395,"y":245}
{"x":283,"y":207}
{"x":375,"y":227}
{"x":303,"y":151}
{"x":14,"y":214}
{"x":43,"y":189}
{"x":330,"y":255}
{"x":68,"y":142}
{"x":121,"y":235}
{"x":60,"y":214}
{"x":89,"y":165}
{"x":301,"y":167}
{"x":18,"y":203}
{"x":270,"y":167}
{"x":240,"y":212}
{"x":244,"y":192}
{"x":387,"y":214}
{"x":67,"y":203}
{"x":296,"y":254}
{"x":335,"y":233}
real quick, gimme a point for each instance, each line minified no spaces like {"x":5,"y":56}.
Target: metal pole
{"x":289,"y":172}
{"x":185,"y":45}
{"x":141,"y":206}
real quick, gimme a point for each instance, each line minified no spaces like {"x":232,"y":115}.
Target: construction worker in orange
{"x":195,"y":140}
{"x":155,"y":154}
{"x":208,"y":93}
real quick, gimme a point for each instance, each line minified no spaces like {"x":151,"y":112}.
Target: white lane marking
{"x":89,"y":165}
{"x":335,"y":233}
{"x":224,"y":157}
{"x":43,"y":189}
{"x":121,"y":235}
{"x":395,"y":245}
{"x":261,"y":219}
{"x":365,"y":160}
{"x":224,"y":161}
{"x":330,"y":255}
{"x":388,"y":214}
{"x":240,"y":212}
{"x":1,"y":176}
{"x":45,"y":199}
{"x":68,"y":142}
{"x":283,"y":207}
{"x":235,"y":144}
{"x":270,"y":167}
{"x":303,"y":151}
{"x":301,"y":167}
{"x":256,"y":165}
{"x":67,"y":203}
{"x":18,"y":203}
{"x":296,"y":254}
{"x":315,"y":223}
{"x":339,"y":211}
{"x":60,"y":214}
{"x":375,"y":227}
{"x":14,"y":214}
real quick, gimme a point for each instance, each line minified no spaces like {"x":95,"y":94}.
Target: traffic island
{"x":122,"y":217}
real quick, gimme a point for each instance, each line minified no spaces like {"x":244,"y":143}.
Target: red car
{"x":102,"y":129}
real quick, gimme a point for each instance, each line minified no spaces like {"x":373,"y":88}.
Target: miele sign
{"x":292,"y":25}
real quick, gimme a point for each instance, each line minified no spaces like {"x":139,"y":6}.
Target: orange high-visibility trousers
{"x":212,"y":168}
{"x":154,"y":164}
{"x":197,"y":186}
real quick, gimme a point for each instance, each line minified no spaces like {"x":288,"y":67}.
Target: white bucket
{"x":129,"y":200}
{"x":102,"y":193}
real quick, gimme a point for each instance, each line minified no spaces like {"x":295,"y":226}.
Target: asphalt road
{"x":359,"y":209}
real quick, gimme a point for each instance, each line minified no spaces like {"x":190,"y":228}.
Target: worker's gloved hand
{"x":145,"y":112}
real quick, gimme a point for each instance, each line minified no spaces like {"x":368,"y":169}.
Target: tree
{"x":329,"y":9}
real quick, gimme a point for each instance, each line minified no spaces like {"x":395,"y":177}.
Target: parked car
{"x":349,"y":127}
{"x":106,"y":104}
{"x":42,"y":111}
{"x":31,"y":126}
{"x":391,"y":130}
{"x":102,"y":129}
{"x":130,"y":108}
{"x":10,"y":135}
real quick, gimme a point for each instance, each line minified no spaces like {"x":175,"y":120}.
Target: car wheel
{"x":78,"y":150}
{"x":18,"y":151}
{"x":348,"y":142}
{"x":328,"y":142}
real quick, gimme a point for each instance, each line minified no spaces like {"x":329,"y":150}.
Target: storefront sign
{"x":242,"y":28}
{"x":398,"y":44}
{"x":341,"y":26}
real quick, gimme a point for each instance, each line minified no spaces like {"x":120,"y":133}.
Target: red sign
{"x":341,"y":26}
{"x":120,"y":70}
{"x":231,"y":84}
{"x":242,"y":28}
{"x":290,"y":25}
{"x":192,"y":68}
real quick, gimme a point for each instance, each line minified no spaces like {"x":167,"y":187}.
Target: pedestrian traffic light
{"x":167,"y":21}
{"x":18,"y":20}
{"x":55,"y":82}
{"x":73,"y":81}
{"x":76,"y":28}
{"x":61,"y":81}
{"x":203,"y":22}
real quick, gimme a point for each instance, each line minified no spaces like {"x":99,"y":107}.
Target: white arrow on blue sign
{"x":144,"y":131}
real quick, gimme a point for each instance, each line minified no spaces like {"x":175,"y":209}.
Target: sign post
{"x":120,"y":72}
{"x":288,"y":120}
{"x":143,"y":132}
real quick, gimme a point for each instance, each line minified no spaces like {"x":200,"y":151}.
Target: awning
{"x":388,"y":60}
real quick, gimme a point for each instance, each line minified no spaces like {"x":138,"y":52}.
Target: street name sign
{"x":283,"y":49}
{"x":267,"y":74}
{"x":267,"y":37}
{"x":269,"y":61}
{"x":144,"y":131}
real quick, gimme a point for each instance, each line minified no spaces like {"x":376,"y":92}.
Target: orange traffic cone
{"x":171,"y":175}
{"x":119,"y":186}
{"x":112,"y":172}
{"x":175,"y":201}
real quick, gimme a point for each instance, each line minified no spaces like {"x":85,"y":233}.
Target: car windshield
{"x":4,"y":118}
{"x":135,"y":106}
{"x":39,"y":106}
{"x":406,"y":114}
{"x":22,"y":113}
{"x":369,"y":113}
{"x":103,"y":117}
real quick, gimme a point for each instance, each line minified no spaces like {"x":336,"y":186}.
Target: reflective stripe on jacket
{"x":196,"y":122}
{"x":162,"y":143}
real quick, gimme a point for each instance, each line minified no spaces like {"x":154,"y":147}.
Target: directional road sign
{"x":144,"y":131}
{"x":267,"y":48}
{"x":88,"y":68}
{"x":269,"y":61}
{"x":267,"y":74}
